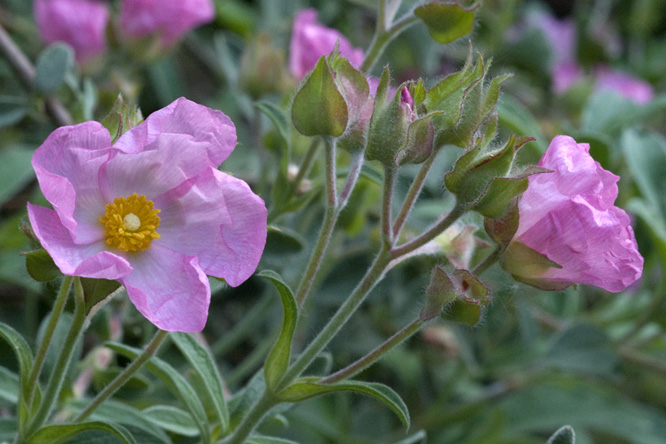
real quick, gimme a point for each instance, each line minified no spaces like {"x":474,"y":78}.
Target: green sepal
{"x":318,"y":108}
{"x":308,"y":387}
{"x":527,"y":266}
{"x":502,"y":229}
{"x":60,"y":433}
{"x":464,"y":311}
{"x":40,"y":266}
{"x":419,"y":144}
{"x":473,"y":297}
{"x":495,"y":200}
{"x":354,"y":87}
{"x":446,"y":22}
{"x":121,"y":118}
{"x":95,"y":291}
{"x":277,"y":360}
{"x":564,"y":435}
{"x":440,"y":292}
{"x":388,"y":126}
{"x":202,"y":361}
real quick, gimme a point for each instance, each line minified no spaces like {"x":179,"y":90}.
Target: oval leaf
{"x":56,"y":434}
{"x":446,"y":23}
{"x":52,"y":66}
{"x":278,"y":358}
{"x":171,"y":419}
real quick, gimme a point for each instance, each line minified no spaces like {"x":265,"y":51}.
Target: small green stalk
{"x":382,"y":38}
{"x":57,"y":378}
{"x":58,"y":307}
{"x":125,"y":375}
{"x":387,"y":204}
{"x":375,"y":355}
{"x":251,"y":420}
{"x":413,"y":194}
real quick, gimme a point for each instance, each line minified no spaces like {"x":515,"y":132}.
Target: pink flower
{"x":79,"y":23}
{"x":623,"y":84}
{"x":170,"y":18}
{"x":152,"y":211}
{"x":569,"y":216}
{"x":310,"y":40}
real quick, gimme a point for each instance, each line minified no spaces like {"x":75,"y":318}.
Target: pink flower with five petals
{"x":151,"y":211}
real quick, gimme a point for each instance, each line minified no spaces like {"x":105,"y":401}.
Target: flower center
{"x":130,"y":223}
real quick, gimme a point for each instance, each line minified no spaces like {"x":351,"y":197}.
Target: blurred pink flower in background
{"x":152,"y":211}
{"x":310,"y":40}
{"x":569,"y":216}
{"x":624,"y":84}
{"x":79,"y":23}
{"x":168,"y":18}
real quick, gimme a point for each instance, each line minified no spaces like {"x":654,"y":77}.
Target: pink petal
{"x":73,"y":259}
{"x":202,"y":128}
{"x":624,"y":84}
{"x":79,"y":23}
{"x":217,"y":218}
{"x":169,"y":289}
{"x":67,"y":165}
{"x":170,"y":18}
{"x":310,"y":40}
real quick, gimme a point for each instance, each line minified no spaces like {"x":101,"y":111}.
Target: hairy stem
{"x":383,"y":36}
{"x":413,"y":194}
{"x":251,"y":420}
{"x":375,"y":355}
{"x":387,"y":205}
{"x":125,"y":375}
{"x":58,"y":307}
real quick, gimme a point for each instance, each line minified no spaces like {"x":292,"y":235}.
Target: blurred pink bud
{"x":565,"y":75}
{"x":170,"y":18}
{"x":623,"y":84}
{"x":79,"y":23}
{"x":569,"y":217}
{"x":310,"y":40}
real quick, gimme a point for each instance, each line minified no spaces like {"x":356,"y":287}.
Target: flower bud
{"x":261,"y":68}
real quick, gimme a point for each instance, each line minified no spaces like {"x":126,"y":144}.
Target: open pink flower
{"x":79,"y":23}
{"x":569,"y":216}
{"x":170,"y":18}
{"x":310,"y":40}
{"x":152,"y":211}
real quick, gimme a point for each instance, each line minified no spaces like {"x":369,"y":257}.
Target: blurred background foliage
{"x":539,"y":360}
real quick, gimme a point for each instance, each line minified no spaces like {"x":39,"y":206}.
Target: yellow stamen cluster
{"x":130,"y":223}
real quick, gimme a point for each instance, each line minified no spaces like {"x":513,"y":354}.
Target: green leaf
{"x":277,"y":116}
{"x":261,"y":439}
{"x":440,"y":292}
{"x":318,"y":108}
{"x":171,"y":419}
{"x":306,"y":388}
{"x":40,"y":266}
{"x":565,"y":435}
{"x":9,"y":386}
{"x":60,"y":433}
{"x":283,"y":240}
{"x":420,"y":437}
{"x":446,"y":23}
{"x":645,"y":155}
{"x":175,"y":383}
{"x":52,"y":67}
{"x":12,"y":110}
{"x":277,"y":360}
{"x":582,"y":348}
{"x":23,"y":355}
{"x":203,"y":363}
{"x":8,"y":429}
{"x":15,"y":171}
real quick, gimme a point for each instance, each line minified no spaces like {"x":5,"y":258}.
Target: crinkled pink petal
{"x":79,"y":23}
{"x":217,"y":218}
{"x":203,"y":128}
{"x":67,"y":165}
{"x":90,"y":260}
{"x":310,"y":40}
{"x":569,"y":216}
{"x":624,"y":84}
{"x":170,"y":18}
{"x":169,"y":289}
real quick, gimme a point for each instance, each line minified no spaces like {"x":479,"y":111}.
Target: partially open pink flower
{"x":623,"y":84}
{"x":79,"y":23}
{"x":310,"y":40}
{"x":569,"y":216}
{"x":152,"y":211}
{"x":170,"y":18}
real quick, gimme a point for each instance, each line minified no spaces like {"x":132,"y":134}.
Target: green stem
{"x":433,"y":232}
{"x":306,"y":163}
{"x":58,"y":307}
{"x":387,"y":204}
{"x":375,"y":355}
{"x":125,"y":375}
{"x":487,"y":262}
{"x":372,"y":276}
{"x":382,"y":38}
{"x":57,"y":378}
{"x":413,"y":194}
{"x":251,"y":420}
